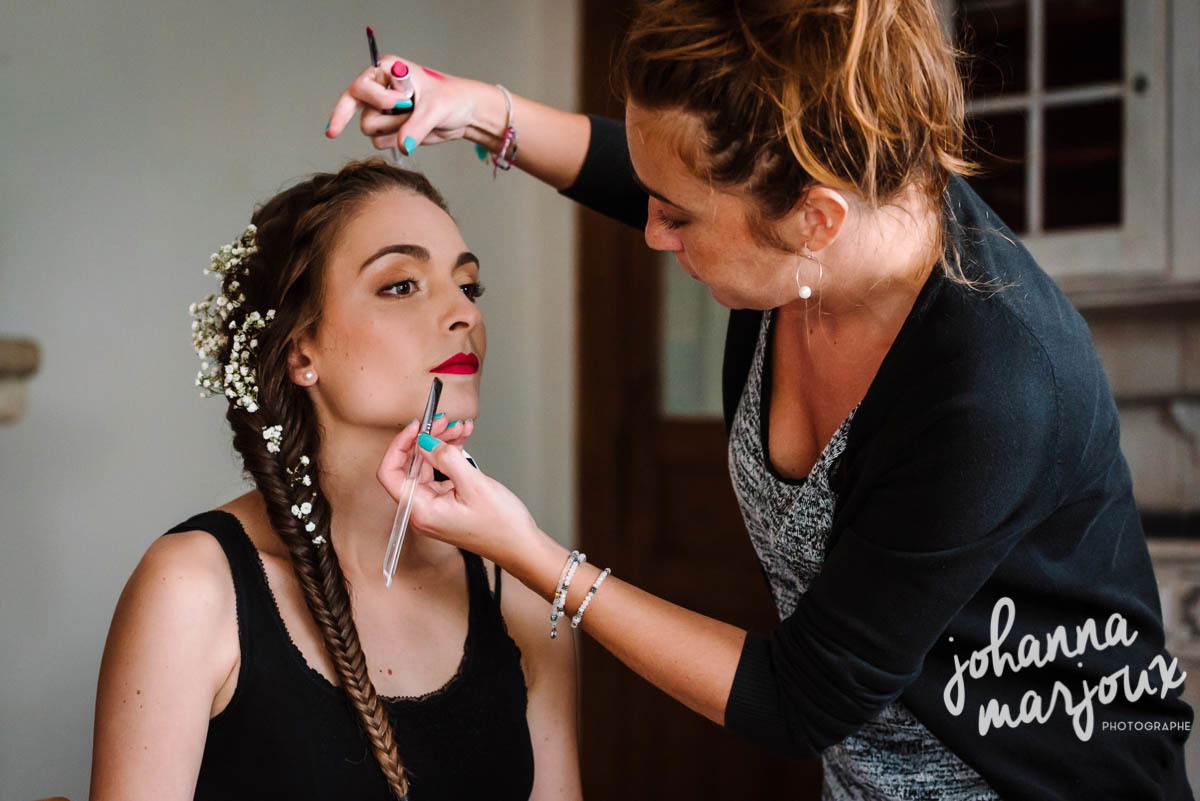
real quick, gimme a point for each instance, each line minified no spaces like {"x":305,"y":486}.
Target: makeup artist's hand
{"x":456,"y":432}
{"x":444,"y":106}
{"x":470,"y":510}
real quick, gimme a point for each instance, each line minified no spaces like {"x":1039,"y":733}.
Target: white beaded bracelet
{"x":588,"y":598}
{"x":563,"y":575}
{"x":564,"y":583}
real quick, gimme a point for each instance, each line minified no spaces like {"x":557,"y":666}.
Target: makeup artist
{"x":923,"y":442}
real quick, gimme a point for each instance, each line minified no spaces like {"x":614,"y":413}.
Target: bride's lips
{"x":459,"y":364}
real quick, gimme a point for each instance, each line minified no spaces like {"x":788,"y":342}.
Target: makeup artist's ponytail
{"x":296,"y":231}
{"x":859,"y":95}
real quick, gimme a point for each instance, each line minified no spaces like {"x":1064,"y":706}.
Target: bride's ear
{"x":301,"y":368}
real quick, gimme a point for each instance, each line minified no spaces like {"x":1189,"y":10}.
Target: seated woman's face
{"x":399,"y":302}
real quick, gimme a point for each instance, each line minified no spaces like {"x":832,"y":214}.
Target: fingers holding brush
{"x":372,"y":93}
{"x":393,"y":468}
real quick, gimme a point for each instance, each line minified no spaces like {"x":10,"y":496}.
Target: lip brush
{"x":404,"y":508}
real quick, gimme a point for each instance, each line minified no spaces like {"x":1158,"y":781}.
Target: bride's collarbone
{"x":412,"y":635}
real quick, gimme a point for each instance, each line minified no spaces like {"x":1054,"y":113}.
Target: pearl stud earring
{"x":309,"y":375}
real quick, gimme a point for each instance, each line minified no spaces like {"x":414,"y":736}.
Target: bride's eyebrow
{"x":419,"y":253}
{"x":415,"y":251}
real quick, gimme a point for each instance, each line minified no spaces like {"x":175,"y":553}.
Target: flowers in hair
{"x":298,"y":477}
{"x":214,"y":328}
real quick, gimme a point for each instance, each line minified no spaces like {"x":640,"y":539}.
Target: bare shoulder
{"x":189,"y":563}
{"x":551,"y":676}
{"x":183,"y":578}
{"x":171,"y":648}
{"x":527,"y":617}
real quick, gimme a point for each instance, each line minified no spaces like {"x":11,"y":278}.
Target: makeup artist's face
{"x":399,"y":303}
{"x":704,"y":226}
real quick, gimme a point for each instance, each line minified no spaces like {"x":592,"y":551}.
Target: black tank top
{"x":287,"y":732}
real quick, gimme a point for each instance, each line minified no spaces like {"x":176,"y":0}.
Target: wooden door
{"x":656,"y":505}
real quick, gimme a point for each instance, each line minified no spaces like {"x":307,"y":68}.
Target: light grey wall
{"x":136,"y":138}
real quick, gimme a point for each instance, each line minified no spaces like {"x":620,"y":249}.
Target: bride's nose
{"x":462,"y":312}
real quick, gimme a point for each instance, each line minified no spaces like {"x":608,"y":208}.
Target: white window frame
{"x":1184,"y":118}
{"x":1138,"y":248}
{"x":1153,"y":258}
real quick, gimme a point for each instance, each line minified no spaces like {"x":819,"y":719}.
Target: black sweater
{"x":982,"y":476}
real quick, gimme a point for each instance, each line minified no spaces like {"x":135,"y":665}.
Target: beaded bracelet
{"x":562,"y":601}
{"x":558,"y":590}
{"x":504,"y":158}
{"x":508,"y":144}
{"x":564,"y":583}
{"x":588,"y":598}
{"x":562,"y":577}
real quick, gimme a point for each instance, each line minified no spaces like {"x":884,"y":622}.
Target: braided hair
{"x":296,"y":231}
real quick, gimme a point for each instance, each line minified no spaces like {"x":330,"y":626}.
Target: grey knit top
{"x":893,"y":756}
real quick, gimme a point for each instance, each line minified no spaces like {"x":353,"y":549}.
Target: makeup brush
{"x":374,"y":48}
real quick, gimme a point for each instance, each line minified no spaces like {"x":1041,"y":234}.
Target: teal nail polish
{"x":453,"y":423}
{"x":410,"y":145}
{"x":327,"y":126}
{"x":439,"y":415}
{"x":481,"y":151}
{"x":403,"y":105}
{"x":428,"y":443}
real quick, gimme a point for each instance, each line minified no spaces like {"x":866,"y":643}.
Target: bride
{"x":255,"y":651}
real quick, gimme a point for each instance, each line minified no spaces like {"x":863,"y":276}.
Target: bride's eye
{"x":406,"y":288}
{"x":473,"y":290}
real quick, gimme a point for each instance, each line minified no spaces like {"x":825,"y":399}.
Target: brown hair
{"x":859,"y":95}
{"x":297,"y":230}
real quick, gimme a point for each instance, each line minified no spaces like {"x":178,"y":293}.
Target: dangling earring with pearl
{"x":806,"y":290}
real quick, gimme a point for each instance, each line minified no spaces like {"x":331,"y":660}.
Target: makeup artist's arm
{"x":551,"y":143}
{"x":944,"y":508}
{"x":689,"y":656}
{"x":171,"y":646}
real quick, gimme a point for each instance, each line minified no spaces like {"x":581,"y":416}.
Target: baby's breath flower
{"x":215,"y":316}
{"x":219,"y":328}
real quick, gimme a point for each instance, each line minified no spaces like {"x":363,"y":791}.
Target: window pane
{"x":1083,"y":42}
{"x":1083,"y":165}
{"x":693,"y":343}
{"x":995,"y":35}
{"x":999,"y":147}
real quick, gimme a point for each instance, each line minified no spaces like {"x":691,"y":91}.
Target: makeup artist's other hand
{"x":471,"y":510}
{"x":444,"y":106}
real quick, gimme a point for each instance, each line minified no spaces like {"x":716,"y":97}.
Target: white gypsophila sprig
{"x":298,"y":477}
{"x":274,"y":437}
{"x":214,"y":328}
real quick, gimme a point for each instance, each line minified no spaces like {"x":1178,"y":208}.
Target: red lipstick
{"x":459,"y":364}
